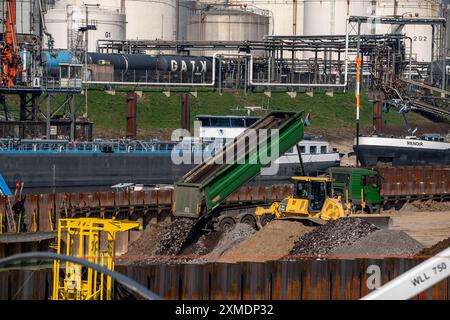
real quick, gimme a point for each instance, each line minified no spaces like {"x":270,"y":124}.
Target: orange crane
{"x":10,"y":55}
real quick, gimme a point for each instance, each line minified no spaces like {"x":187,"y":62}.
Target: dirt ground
{"x":272,"y":242}
{"x":428,"y":223}
{"x":426,"y":227}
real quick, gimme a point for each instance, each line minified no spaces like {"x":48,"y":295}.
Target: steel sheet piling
{"x":304,"y":279}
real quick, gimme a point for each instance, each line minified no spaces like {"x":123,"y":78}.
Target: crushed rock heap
{"x":332,"y":235}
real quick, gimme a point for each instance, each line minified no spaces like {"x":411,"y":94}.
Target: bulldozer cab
{"x":315,"y":190}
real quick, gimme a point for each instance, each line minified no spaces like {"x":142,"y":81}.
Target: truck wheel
{"x":226,"y":224}
{"x":249,"y":219}
{"x":265,"y":219}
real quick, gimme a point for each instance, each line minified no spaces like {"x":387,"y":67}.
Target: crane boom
{"x":10,"y":55}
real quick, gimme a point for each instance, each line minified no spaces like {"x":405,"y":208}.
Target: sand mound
{"x":272,"y":242}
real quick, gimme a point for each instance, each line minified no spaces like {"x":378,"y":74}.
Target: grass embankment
{"x":157,"y":112}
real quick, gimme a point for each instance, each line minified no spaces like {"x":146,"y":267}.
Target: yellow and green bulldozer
{"x":345,"y":192}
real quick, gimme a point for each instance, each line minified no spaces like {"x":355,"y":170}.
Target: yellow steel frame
{"x":82,"y":238}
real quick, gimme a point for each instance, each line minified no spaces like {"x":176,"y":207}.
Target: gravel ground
{"x":272,"y":242}
{"x":146,"y":245}
{"x":204,"y":245}
{"x":334,"y":234}
{"x":380,"y":244}
{"x":174,"y":238}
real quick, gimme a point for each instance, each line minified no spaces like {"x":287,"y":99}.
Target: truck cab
{"x":361,"y":185}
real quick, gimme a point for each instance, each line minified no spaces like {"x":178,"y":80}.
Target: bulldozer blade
{"x":314,"y":221}
{"x":379,"y":221}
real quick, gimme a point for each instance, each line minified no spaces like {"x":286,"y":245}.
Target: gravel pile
{"x":148,"y":241}
{"x":175,"y":237}
{"x":334,"y":234}
{"x":203,"y":245}
{"x":380,"y":244}
{"x":228,"y":240}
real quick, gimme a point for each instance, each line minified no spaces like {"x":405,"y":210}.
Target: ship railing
{"x":196,"y":145}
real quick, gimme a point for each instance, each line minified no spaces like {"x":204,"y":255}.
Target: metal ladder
{"x":10,"y":217}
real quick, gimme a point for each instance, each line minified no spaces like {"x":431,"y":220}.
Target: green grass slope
{"x":157,"y":111}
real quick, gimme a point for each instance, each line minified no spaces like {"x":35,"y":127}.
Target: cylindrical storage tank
{"x":227,"y":25}
{"x":124,"y":61}
{"x":26,"y":14}
{"x":421,"y":35}
{"x":151,"y":19}
{"x":330,"y":17}
{"x":169,"y":63}
{"x":186,"y":10}
{"x":285,"y":16}
{"x":64,"y":22}
{"x":147,"y":68}
{"x":189,"y":64}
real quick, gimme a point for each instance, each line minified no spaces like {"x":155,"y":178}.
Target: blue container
{"x":54,"y":58}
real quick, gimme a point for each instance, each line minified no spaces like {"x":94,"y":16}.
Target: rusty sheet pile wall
{"x":291,"y":280}
{"x":415,"y":182}
{"x":42,"y":211}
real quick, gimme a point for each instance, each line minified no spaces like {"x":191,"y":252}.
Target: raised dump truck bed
{"x":203,"y":188}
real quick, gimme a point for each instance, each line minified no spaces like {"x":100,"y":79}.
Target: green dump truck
{"x":206,"y":186}
{"x":360,"y":185}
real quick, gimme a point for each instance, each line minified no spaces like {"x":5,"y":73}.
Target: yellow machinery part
{"x":296,"y":207}
{"x":332,"y":209}
{"x":84,"y":238}
{"x":272,"y":210}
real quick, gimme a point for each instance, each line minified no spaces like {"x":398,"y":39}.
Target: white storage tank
{"x":25,"y":9}
{"x":64,"y":19}
{"x":227,"y":25}
{"x":330,"y":17}
{"x":151,"y":19}
{"x":421,"y":34}
{"x":186,"y":10}
{"x":285,"y":16}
